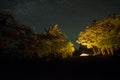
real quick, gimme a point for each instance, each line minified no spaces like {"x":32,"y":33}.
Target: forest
{"x":21,"y":40}
{"x":20,"y":43}
{"x":102,"y":36}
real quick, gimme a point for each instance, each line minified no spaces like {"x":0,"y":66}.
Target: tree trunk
{"x":108,"y":51}
{"x":99,"y":51}
{"x":103,"y":52}
{"x":94,"y":50}
{"x":111,"y":50}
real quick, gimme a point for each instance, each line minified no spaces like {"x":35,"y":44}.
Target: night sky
{"x":72,"y":15}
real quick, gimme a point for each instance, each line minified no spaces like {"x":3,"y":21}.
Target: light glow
{"x":84,"y":54}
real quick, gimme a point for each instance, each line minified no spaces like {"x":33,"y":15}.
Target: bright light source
{"x":84,"y":54}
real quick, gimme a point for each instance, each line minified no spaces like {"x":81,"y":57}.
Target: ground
{"x":85,"y":68}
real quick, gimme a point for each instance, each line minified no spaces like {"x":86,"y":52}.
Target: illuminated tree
{"x":102,"y":36}
{"x":54,"y":43}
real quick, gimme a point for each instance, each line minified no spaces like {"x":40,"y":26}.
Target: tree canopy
{"x":102,"y":36}
{"x":55,"y":43}
{"x":19,"y":39}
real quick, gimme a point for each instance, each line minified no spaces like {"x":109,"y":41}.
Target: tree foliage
{"x":54,"y":43}
{"x":19,"y":39}
{"x":15,"y":37}
{"x":102,"y":36}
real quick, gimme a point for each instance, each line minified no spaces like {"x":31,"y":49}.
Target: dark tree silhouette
{"x":21,"y":40}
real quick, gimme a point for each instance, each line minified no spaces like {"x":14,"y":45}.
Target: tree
{"x":21,"y":40}
{"x":54,"y":43}
{"x":16,"y":38}
{"x":102,"y":36}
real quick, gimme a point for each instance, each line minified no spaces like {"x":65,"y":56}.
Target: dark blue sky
{"x":72,"y":15}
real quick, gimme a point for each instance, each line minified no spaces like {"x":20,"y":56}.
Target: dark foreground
{"x":82,"y":68}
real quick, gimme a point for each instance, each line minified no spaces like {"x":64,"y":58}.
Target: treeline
{"x":17,"y":39}
{"x":20,"y":40}
{"x":102,"y":36}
